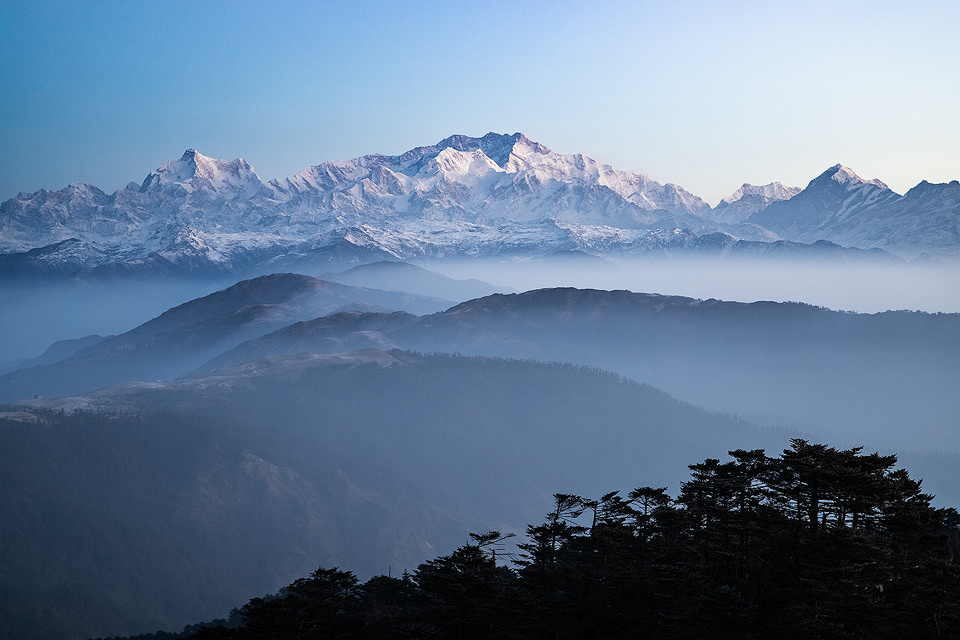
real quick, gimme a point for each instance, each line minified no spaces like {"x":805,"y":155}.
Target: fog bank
{"x":864,"y":288}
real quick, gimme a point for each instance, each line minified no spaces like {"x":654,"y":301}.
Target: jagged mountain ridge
{"x":493,"y":178}
{"x":198,"y":210}
{"x":814,"y":210}
{"x":750,"y":199}
{"x":867,"y":213}
{"x":497,"y":195}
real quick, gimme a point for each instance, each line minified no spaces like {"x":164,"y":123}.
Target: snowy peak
{"x":535,"y":163}
{"x":176,"y":171}
{"x":194,"y":171}
{"x":499,"y":147}
{"x":845,"y":175}
{"x":462,"y":166}
{"x":750,"y":199}
{"x":838,"y":205}
{"x":522,"y":147}
{"x":496,"y":177}
{"x":770,"y":192}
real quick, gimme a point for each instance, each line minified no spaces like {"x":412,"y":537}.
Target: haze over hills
{"x":403,"y":276}
{"x":151,"y":506}
{"x":309,"y":433}
{"x":188,"y":335}
{"x":501,"y":196}
{"x":852,"y":376}
{"x":869,"y":373}
{"x":175,"y":501}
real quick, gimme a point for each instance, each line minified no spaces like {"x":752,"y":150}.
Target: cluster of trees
{"x":815,"y":543}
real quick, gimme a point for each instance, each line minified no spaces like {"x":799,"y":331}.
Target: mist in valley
{"x":254,"y":407}
{"x":37,"y":313}
{"x":907,"y":404}
{"x":866,"y":287}
{"x":809,"y":387}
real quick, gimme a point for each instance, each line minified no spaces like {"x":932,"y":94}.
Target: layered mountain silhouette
{"x":403,"y":276}
{"x":868,"y":373}
{"x":850,"y":374}
{"x":188,"y":335}
{"x":148,"y":507}
{"x":238,"y":440}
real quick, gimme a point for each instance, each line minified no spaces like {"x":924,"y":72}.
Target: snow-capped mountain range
{"x":494,"y":196}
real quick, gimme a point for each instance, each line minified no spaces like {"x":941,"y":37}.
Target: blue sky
{"x":707,"y":95}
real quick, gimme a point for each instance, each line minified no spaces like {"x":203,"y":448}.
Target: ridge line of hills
{"x":235,"y":441}
{"x":871,"y":372}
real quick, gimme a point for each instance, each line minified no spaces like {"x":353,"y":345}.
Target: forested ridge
{"x":817,"y":542}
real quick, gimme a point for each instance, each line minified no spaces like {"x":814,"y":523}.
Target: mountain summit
{"x":195,"y":172}
{"x":495,"y":178}
{"x":836,"y":204}
{"x":845,"y":176}
{"x":499,"y":147}
{"x":749,"y":199}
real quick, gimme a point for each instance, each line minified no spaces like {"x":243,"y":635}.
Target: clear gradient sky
{"x":704,"y":94}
